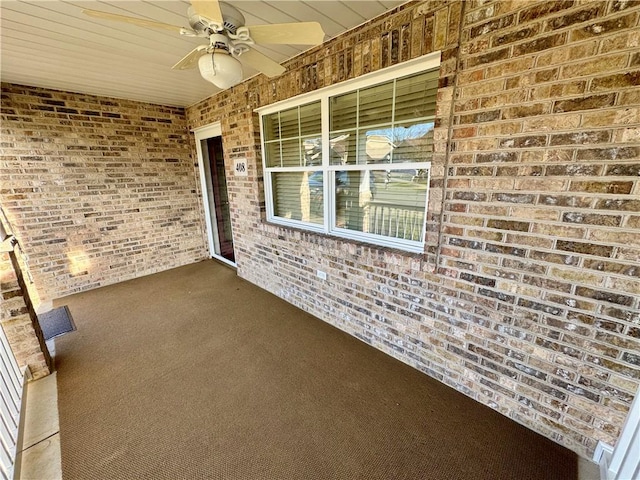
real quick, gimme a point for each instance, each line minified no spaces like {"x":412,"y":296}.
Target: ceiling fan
{"x":230,"y":41}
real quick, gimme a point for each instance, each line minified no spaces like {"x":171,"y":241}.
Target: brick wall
{"x":97,"y":190}
{"x":527,"y":295}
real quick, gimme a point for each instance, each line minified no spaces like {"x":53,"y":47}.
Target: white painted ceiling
{"x":52,"y":44}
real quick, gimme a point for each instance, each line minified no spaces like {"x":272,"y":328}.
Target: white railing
{"x":397,"y":221}
{"x":12,"y":383}
{"x":623,"y":461}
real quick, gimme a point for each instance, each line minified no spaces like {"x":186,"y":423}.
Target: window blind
{"x":380,"y":144}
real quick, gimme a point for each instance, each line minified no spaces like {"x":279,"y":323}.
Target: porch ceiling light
{"x":220,"y":68}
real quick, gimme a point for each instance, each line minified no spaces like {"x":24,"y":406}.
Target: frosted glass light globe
{"x":220,"y":68}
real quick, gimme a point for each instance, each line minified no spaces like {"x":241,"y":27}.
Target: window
{"x":353,"y":160}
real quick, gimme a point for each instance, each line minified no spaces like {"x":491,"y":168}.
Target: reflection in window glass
{"x":387,"y":139}
{"x":298,"y":196}
{"x":312,"y":151}
{"x":378,"y":142}
{"x":382,"y":202}
{"x":343,"y":148}
{"x":284,"y":142}
{"x":413,"y":142}
{"x":375,"y":146}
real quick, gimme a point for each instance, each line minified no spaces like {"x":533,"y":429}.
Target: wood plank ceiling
{"x":53,"y":44}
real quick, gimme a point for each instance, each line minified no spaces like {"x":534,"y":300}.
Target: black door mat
{"x":56,"y":322}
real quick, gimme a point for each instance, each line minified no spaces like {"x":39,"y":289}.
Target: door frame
{"x":202,"y":134}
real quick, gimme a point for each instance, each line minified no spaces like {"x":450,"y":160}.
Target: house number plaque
{"x":240,"y":167}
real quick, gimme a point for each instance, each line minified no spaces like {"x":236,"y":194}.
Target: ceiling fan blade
{"x":190,"y":60}
{"x":135,"y":21}
{"x":261,"y":62}
{"x":209,"y":9}
{"x":302,"y":33}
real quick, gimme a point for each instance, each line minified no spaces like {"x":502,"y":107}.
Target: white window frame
{"x":414,"y":66}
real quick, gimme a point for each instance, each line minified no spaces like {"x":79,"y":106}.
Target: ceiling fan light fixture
{"x":220,"y":68}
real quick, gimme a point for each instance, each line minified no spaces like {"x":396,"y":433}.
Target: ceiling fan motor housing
{"x":231,"y":16}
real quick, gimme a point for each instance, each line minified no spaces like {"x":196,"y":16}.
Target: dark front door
{"x":220,"y":199}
